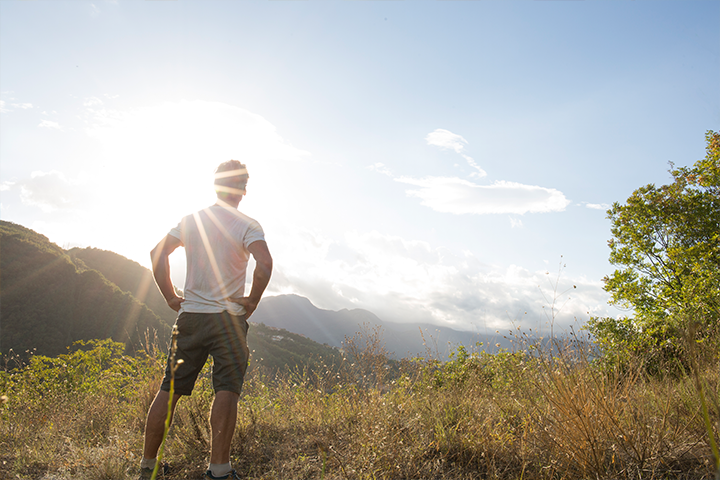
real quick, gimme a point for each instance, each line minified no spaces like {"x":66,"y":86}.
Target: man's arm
{"x":261,"y":276}
{"x":161,"y":270}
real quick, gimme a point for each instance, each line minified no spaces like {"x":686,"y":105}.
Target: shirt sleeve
{"x":253,"y":234}
{"x":175,"y":232}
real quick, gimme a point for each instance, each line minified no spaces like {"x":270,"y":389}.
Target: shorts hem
{"x":176,"y":392}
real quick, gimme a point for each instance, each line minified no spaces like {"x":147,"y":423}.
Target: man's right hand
{"x":161,"y":270}
{"x":248,"y":304}
{"x":174,"y":303}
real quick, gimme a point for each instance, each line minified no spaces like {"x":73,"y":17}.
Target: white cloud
{"x":446,"y":139}
{"x":49,"y":124}
{"x":4,"y":105}
{"x":515,"y":223}
{"x":92,"y":102}
{"x":4,"y":186}
{"x":51,"y":191}
{"x":458,"y":196}
{"x":598,"y":206}
{"x":380,"y":168}
{"x":406,"y":280}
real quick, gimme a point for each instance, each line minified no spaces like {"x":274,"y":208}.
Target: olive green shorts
{"x":221,"y":335}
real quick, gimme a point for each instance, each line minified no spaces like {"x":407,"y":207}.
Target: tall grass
{"x":542,"y":411}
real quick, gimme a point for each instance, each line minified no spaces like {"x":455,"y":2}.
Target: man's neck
{"x":228,"y":202}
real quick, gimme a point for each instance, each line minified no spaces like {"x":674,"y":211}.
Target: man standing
{"x":212,"y":317}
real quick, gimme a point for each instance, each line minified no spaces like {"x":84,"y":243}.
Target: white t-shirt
{"x":216,"y":241}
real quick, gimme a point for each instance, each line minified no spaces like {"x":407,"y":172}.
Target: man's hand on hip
{"x":174,"y":303}
{"x":248,"y":304}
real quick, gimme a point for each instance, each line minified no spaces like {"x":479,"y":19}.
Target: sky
{"x":448,"y":162}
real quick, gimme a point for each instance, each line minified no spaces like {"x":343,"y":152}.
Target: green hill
{"x":278,"y":349}
{"x":47,"y":301}
{"x":129,"y":276}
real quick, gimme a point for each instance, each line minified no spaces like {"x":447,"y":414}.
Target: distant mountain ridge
{"x":297,"y":314}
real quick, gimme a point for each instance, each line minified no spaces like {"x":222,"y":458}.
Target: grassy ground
{"x":535,"y":413}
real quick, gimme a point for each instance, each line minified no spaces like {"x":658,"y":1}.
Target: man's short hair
{"x":231,"y":177}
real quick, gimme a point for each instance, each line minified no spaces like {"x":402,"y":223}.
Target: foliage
{"x":666,"y":243}
{"x":276,"y":349}
{"x":542,"y":411}
{"x":129,"y":276}
{"x":78,"y":412}
{"x":48,"y":301}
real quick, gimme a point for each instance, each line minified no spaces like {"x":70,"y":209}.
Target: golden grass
{"x":541,"y":412}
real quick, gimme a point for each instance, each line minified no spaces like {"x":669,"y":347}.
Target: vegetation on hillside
{"x":48,"y":301}
{"x":277,"y":349}
{"x":129,"y":276}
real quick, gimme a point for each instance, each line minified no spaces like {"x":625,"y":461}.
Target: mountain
{"x":47,"y":301}
{"x":298,"y":314}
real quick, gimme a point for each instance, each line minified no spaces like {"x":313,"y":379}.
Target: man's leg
{"x":155,"y":424}
{"x":222,"y":421}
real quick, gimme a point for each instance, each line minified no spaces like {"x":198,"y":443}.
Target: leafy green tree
{"x":666,"y":245}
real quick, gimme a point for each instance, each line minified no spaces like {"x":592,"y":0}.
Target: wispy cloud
{"x":49,"y":124}
{"x":92,"y":102}
{"x":380,"y":168}
{"x":51,"y":191}
{"x":446,"y":139}
{"x":458,"y":196}
{"x":598,"y":206}
{"x":515,"y":223}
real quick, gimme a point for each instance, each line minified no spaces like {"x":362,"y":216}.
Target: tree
{"x":666,"y":245}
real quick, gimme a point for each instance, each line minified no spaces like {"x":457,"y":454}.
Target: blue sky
{"x":448,"y":162}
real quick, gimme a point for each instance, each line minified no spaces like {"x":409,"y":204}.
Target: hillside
{"x":48,"y":301}
{"x":129,"y":276}
{"x":277,"y":349}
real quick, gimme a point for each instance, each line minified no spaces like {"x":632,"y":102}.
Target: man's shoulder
{"x":231,"y":214}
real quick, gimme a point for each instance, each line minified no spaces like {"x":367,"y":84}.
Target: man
{"x":212,"y":316}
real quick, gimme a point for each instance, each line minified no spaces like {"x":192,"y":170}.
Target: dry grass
{"x":541,"y":412}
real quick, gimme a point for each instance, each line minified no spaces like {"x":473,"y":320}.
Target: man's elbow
{"x":266,"y":264}
{"x":154,"y":256}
